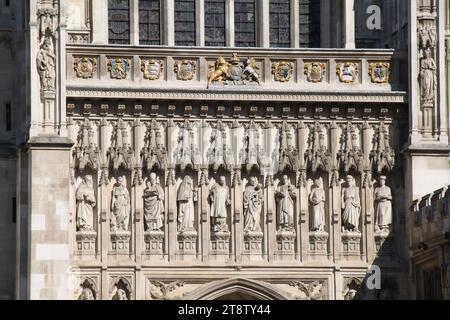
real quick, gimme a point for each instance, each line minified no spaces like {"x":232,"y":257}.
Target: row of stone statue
{"x":219,"y":201}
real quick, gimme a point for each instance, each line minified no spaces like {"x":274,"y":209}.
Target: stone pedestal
{"x":220,"y":245}
{"x":253,"y":245}
{"x":318,"y":241}
{"x":187,"y":244}
{"x":285,"y":244}
{"x":120,"y":242}
{"x":154,"y":241}
{"x":351,"y":243}
{"x":86,"y":242}
{"x":384,"y":244}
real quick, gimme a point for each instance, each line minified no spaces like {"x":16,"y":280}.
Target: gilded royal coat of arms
{"x":234,"y":71}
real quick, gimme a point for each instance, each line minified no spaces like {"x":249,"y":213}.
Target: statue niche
{"x":351,"y":206}
{"x":383,"y":201}
{"x":219,"y":197}
{"x":285,"y":197}
{"x":153,"y":204}
{"x":86,"y":202}
{"x":253,"y":201}
{"x":186,"y":196}
{"x":120,"y":206}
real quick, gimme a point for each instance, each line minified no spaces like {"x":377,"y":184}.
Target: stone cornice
{"x":243,"y":95}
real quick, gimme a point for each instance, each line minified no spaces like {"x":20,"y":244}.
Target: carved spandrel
{"x":154,"y":155}
{"x":120,"y":154}
{"x":318,"y":156}
{"x":86,"y":153}
{"x":350,"y":155}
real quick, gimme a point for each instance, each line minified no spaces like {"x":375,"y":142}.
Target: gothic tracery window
{"x":215,"y":23}
{"x":118,"y":21}
{"x":245,"y":23}
{"x":185,"y":23}
{"x":149,"y":22}
{"x":280,"y":23}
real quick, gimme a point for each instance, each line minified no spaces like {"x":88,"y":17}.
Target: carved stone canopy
{"x":86,"y":152}
{"x":154,"y":154}
{"x":120,"y":154}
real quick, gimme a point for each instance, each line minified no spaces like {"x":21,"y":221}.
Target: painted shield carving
{"x":152,"y":69}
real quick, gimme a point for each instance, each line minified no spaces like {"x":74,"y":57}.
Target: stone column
{"x":49,"y":251}
{"x":414,"y":100}
{"x":200,"y":23}
{"x":443,"y":82}
{"x":264,"y":24}
{"x":169,"y":23}
{"x":229,"y":25}
{"x":137,"y":191}
{"x":348,"y":39}
{"x":100,"y":21}
{"x":134,"y":22}
{"x":367,"y":200}
{"x":295,"y":24}
{"x":171,"y":198}
{"x":335,"y":195}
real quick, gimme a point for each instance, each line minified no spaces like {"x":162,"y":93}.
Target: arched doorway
{"x":237,"y":289}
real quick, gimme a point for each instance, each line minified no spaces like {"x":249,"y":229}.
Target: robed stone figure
{"x":383,"y":199}
{"x":253,"y":199}
{"x":219,"y":197}
{"x":186,"y":197}
{"x":285,"y":196}
{"x":153,"y":204}
{"x":351,"y":206}
{"x":317,"y":199}
{"x":85,"y":197}
{"x":121,"y":206}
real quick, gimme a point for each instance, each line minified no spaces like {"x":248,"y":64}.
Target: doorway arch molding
{"x":257,"y":289}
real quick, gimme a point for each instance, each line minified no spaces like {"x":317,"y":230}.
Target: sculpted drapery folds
{"x":351,"y":206}
{"x":153,"y":204}
{"x":46,"y":64}
{"x":317,"y":199}
{"x":120,"y":206}
{"x":219,"y":196}
{"x":86,"y":202}
{"x":186,"y":197}
{"x":383,"y":199}
{"x":427,"y":76}
{"x":253,"y":200}
{"x":285,"y":196}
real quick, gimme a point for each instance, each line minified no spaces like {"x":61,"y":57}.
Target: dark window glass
{"x":280,"y":23}
{"x":119,"y":21}
{"x":185,"y":23}
{"x":8,"y":117}
{"x":432,"y":287}
{"x":149,"y":22}
{"x":215,"y":23}
{"x":365,"y":35}
{"x":245,"y":23}
{"x":310,"y":23}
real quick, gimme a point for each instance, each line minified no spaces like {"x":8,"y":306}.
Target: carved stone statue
{"x":219,"y":196}
{"x":153,"y":204}
{"x":186,"y":197}
{"x":351,"y":206}
{"x":253,"y":199}
{"x":86,"y":294}
{"x":427,"y":77}
{"x":285,"y":196}
{"x":120,"y":206}
{"x":383,"y":199}
{"x":46,"y":65}
{"x":317,"y":198}
{"x":120,"y":295}
{"x":86,"y":202}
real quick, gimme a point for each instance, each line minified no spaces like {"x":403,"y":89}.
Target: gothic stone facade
{"x":200,"y":173}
